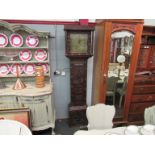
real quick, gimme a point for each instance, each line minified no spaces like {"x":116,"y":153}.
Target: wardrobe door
{"x":118,"y":67}
{"x":118,"y":51}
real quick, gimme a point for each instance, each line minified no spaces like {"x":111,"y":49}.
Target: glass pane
{"x":118,"y":69}
{"x":79,"y":43}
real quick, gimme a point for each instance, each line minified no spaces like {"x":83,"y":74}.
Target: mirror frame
{"x":115,"y":61}
{"x":110,"y":26}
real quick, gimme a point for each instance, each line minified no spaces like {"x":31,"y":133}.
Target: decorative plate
{"x":45,"y":67}
{"x":29,"y":69}
{"x":14,"y":70}
{"x":4,"y":69}
{"x":32,"y":41}
{"x":111,"y":133}
{"x":25,"y":55}
{"x":40,"y":55}
{"x":3,"y":40}
{"x":16,"y":40}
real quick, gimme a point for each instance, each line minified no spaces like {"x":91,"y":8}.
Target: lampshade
{"x":121,"y":58}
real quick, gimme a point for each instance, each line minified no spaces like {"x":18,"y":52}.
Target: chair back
{"x":149,"y":115}
{"x":100,"y":116}
{"x":111,"y":83}
{"x":125,"y":83}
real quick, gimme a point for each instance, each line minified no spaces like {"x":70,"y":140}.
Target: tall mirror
{"x":118,"y":69}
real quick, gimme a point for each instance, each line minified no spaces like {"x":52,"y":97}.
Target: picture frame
{"x":21,"y":114}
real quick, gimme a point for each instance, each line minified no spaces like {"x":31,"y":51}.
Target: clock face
{"x":78,"y":43}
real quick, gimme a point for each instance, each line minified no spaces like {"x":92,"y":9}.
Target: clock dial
{"x":78,"y":43}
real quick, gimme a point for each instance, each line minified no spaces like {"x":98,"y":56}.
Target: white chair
{"x":100,"y":116}
{"x":12,"y":127}
{"x":149,"y":115}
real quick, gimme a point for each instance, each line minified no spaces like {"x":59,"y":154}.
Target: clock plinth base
{"x":77,"y":115}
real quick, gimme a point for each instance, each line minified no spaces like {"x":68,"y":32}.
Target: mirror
{"x":118,"y":69}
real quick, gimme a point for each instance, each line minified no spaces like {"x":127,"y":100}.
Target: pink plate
{"x":13,"y":69}
{"x":25,"y":55}
{"x":32,"y":41}
{"x":3,"y":40}
{"x":16,"y":40}
{"x":40,"y":55}
{"x":4,"y":69}
{"x":29,"y":69}
{"x":45,"y":67}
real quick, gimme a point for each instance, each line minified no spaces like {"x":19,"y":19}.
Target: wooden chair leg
{"x":120,"y":100}
{"x":114,"y":99}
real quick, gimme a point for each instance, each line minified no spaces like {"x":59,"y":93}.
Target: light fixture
{"x":120,"y":60}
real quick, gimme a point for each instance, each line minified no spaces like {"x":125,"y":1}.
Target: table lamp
{"x":120,"y":60}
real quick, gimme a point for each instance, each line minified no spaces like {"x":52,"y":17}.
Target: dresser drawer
{"x":136,"y":117}
{"x":143,"y":98}
{"x":144,"y":79}
{"x":140,"y":107}
{"x":144,"y":89}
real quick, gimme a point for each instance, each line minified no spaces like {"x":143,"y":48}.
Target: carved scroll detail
{"x":15,"y":28}
{"x":117,"y":27}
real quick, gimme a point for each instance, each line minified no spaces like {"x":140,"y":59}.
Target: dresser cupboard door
{"x":8,"y":102}
{"x":42,"y":111}
{"x":143,"y":59}
{"x":152,"y":58}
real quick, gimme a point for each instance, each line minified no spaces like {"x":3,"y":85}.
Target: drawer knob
{"x":149,"y":97}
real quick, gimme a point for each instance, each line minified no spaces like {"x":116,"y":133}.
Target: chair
{"x":111,"y":87}
{"x":100,"y":116}
{"x":121,"y":91}
{"x":12,"y":127}
{"x":149,"y":115}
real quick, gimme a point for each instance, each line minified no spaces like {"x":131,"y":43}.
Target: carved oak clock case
{"x":79,"y":47}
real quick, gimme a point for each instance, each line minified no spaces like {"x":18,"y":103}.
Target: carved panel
{"x":118,"y":27}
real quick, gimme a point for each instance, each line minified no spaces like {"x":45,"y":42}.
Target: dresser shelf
{"x":38,"y":100}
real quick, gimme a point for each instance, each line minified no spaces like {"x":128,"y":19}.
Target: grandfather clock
{"x":79,"y":47}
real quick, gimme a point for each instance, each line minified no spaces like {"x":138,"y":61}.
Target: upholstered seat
{"x":100,"y":116}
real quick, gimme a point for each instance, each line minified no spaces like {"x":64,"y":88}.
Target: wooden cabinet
{"x":19,"y":55}
{"x":117,"y":39}
{"x":143,"y":94}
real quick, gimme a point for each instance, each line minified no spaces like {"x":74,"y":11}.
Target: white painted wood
{"x":39,"y":100}
{"x":30,"y":90}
